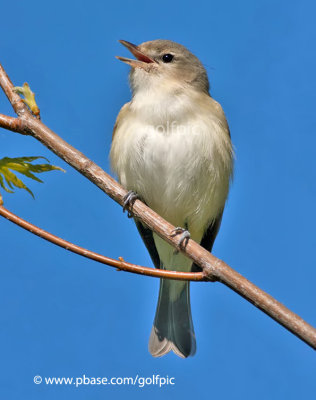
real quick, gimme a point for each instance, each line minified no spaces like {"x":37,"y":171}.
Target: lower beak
{"x":143,"y":61}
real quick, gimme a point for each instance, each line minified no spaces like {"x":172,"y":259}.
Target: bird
{"x":171,"y":148}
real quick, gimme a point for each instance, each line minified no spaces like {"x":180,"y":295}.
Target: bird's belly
{"x":178,"y":172}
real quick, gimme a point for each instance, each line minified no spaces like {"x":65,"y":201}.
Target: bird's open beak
{"x":143,"y":61}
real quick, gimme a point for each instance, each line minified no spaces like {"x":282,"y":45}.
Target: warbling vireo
{"x":171,"y":147}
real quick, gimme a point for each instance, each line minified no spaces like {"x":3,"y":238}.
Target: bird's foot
{"x":128,"y":201}
{"x":184,"y":238}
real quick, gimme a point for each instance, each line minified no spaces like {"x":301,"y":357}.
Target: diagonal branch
{"x":212,"y":267}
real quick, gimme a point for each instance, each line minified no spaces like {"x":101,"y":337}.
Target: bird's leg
{"x":185,"y":235}
{"x":128,"y":201}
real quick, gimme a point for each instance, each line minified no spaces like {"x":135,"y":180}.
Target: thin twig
{"x":119,"y":264}
{"x":212,"y":267}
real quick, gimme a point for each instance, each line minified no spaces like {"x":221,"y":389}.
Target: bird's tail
{"x":173,"y":326}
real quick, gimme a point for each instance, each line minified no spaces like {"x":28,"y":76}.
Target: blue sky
{"x":62,"y":315}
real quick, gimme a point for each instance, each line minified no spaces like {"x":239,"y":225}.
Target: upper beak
{"x":142,"y":61}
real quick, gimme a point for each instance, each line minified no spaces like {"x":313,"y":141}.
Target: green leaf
{"x":12,"y":180}
{"x":22,"y":165}
{"x":21,"y":159}
{"x":29,"y":97}
{"x":3,"y":185}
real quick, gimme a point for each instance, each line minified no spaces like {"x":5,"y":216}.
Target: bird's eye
{"x":167,"y":58}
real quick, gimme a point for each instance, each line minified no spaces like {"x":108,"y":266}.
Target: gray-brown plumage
{"x":171,"y":146}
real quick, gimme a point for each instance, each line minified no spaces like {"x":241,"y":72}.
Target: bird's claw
{"x":184,"y":238}
{"x":128,"y":201}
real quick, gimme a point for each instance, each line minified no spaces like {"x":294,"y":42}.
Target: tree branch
{"x":119,"y":264}
{"x":16,"y":102}
{"x":12,"y":124}
{"x":212,"y":267}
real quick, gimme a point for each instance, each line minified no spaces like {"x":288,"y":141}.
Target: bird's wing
{"x":148,"y":239}
{"x":124,"y":110}
{"x":209,"y":237}
{"x":218,"y":112}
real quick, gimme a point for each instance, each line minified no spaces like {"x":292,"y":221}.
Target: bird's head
{"x":163,"y":63}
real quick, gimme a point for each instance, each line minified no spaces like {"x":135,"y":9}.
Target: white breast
{"x":179,"y":160}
